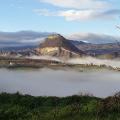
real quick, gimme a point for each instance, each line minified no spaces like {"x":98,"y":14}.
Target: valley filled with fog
{"x":60,"y":82}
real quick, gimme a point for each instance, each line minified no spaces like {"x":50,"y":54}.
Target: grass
{"x":25,"y":107}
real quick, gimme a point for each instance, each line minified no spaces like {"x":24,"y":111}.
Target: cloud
{"x":79,"y":4}
{"x":94,"y":38}
{"x":26,"y":38}
{"x":21,"y":38}
{"x":77,"y":15}
{"x":77,"y":10}
{"x":95,"y":61}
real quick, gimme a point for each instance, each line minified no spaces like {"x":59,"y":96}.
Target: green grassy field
{"x":25,"y":107}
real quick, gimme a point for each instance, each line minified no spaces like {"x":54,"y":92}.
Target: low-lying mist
{"x":59,"y":82}
{"x":45,"y":58}
{"x":83,"y":60}
{"x":95,"y":61}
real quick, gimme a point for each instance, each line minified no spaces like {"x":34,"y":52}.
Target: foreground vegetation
{"x":25,"y":107}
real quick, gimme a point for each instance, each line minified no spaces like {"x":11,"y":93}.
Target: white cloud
{"x":77,"y":15}
{"x":78,"y":10}
{"x":93,"y":38}
{"x":21,"y":38}
{"x":95,"y":61}
{"x":79,"y":4}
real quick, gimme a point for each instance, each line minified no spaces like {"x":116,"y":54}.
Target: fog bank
{"x":95,"y":61}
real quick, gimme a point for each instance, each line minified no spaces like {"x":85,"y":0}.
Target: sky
{"x":61,"y":16}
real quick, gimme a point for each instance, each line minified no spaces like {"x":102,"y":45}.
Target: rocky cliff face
{"x":56,"y":45}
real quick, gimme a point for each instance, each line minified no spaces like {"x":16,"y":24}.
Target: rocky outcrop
{"x":56,"y":45}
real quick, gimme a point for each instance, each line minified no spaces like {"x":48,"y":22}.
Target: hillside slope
{"x":57,"y":45}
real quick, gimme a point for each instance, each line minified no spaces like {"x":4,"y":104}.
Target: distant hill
{"x":109,"y":49}
{"x":57,"y":45}
{"x":33,"y":43}
{"x":18,"y":48}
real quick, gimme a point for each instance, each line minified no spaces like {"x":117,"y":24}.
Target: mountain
{"x":57,"y":45}
{"x":77,"y":42}
{"x":109,"y":50}
{"x":35,"y":43}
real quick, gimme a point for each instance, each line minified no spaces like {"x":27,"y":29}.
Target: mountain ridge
{"x":57,"y":45}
